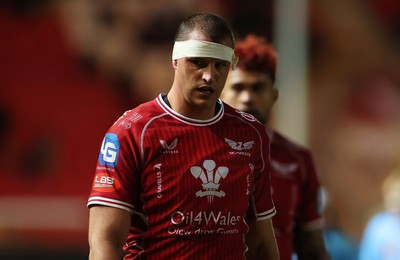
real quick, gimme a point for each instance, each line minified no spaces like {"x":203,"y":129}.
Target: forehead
{"x":201,"y":36}
{"x":238,"y":76}
{"x":209,"y":60}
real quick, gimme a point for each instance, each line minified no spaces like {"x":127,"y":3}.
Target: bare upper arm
{"x":108,"y":229}
{"x":309,"y":244}
{"x":261,"y":240}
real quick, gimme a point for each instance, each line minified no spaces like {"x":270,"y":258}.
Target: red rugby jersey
{"x":191,"y":181}
{"x":295,"y":190}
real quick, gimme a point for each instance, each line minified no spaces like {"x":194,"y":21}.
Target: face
{"x":200,"y":80}
{"x":251,"y":92}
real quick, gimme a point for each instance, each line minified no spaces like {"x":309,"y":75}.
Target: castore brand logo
{"x":169,"y":148}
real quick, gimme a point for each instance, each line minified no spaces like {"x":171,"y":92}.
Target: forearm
{"x":105,"y":251}
{"x":310,"y":245}
{"x":263,"y":253}
{"x":313,"y":255}
{"x":261,"y":241}
{"x":310,"y":254}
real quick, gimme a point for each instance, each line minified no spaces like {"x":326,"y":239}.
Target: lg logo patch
{"x":109,"y":150}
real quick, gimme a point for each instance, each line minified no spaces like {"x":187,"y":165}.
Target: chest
{"x":287,"y":177}
{"x":198,"y":167}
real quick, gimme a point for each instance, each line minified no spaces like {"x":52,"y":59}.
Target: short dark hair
{"x":211,"y":24}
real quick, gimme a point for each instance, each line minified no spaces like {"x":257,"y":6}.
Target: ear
{"x":175,"y":64}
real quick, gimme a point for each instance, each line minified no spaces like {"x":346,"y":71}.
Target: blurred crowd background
{"x":69,"y":69}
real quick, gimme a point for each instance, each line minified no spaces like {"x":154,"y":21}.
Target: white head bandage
{"x":195,"y":48}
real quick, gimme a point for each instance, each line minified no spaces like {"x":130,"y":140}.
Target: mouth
{"x":206,"y":90}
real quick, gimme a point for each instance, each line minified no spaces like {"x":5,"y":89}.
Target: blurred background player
{"x":250,"y":88}
{"x":381,"y":238}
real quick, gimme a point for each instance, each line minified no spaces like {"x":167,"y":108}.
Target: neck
{"x":182,"y":106}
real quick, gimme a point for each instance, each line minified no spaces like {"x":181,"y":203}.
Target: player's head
{"x":206,"y":24}
{"x":202,"y":55}
{"x":250,"y":86}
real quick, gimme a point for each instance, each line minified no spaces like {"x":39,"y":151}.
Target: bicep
{"x":309,"y":244}
{"x":108,"y":229}
{"x":260,"y":240}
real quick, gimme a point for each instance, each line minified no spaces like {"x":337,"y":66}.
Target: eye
{"x":237,"y":87}
{"x":258,"y":87}
{"x":198,"y":62}
{"x":222,"y":65}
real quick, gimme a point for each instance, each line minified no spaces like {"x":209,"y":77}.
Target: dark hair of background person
{"x":256,"y":54}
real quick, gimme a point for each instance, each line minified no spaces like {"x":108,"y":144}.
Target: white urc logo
{"x":109,"y":152}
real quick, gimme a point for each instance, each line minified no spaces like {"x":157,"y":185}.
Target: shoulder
{"x":241,"y":117}
{"x":299,"y":153}
{"x":278,"y":138}
{"x":137,"y":117}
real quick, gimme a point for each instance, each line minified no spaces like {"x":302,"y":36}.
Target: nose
{"x":209,"y":74}
{"x":247,"y":96}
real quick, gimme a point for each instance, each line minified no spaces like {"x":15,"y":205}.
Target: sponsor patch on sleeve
{"x":109,"y":150}
{"x":105,"y":183}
